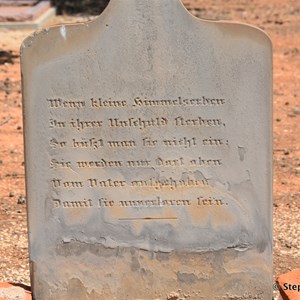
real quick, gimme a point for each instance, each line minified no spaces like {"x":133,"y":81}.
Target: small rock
{"x":278,"y":22}
{"x":21,"y":200}
{"x":286,"y":151}
{"x":11,"y":194}
{"x":296,"y":111}
{"x":173,"y":296}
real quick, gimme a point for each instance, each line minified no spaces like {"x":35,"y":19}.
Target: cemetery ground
{"x":280,"y":19}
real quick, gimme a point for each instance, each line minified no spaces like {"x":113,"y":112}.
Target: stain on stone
{"x":162,"y":256}
{"x":146,"y":273}
{"x":242,"y":152}
{"x":77,"y":248}
{"x":135,"y":265}
{"x":187,"y":277}
{"x":75,"y":290}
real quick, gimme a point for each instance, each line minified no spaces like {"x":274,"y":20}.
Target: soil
{"x":279,"y":18}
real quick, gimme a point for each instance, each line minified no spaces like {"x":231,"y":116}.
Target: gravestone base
{"x":96,"y":272}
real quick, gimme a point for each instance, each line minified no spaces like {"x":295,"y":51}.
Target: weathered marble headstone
{"x":148,"y":156}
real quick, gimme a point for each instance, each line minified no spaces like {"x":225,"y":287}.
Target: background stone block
{"x":148,"y":156}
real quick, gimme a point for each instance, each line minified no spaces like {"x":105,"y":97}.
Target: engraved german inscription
{"x":180,"y":101}
{"x":199,"y":121}
{"x":59,"y":103}
{"x":86,"y":203}
{"x":55,"y":144}
{"x":121,"y":144}
{"x":85,"y":124}
{"x":83,"y":143}
{"x":101,"y":103}
{"x":211,"y":201}
{"x":102,"y":163}
{"x":57,"y":124}
{"x":54,"y":164}
{"x":59,"y":183}
{"x":180,"y":142}
{"x":138,"y":122}
{"x":107,"y":183}
{"x":89,"y":135}
{"x":158,"y":201}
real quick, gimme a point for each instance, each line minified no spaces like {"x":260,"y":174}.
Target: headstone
{"x":148,"y":156}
